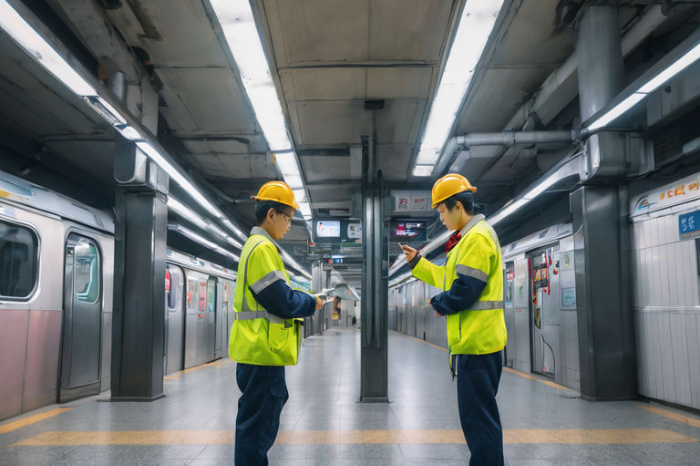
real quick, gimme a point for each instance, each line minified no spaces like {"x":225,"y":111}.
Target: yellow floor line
{"x":694,"y":422}
{"x":209,"y":437}
{"x":31,"y":420}
{"x":507,"y":369}
{"x":192,"y":369}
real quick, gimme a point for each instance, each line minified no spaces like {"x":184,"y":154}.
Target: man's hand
{"x":319,"y":302}
{"x":408,"y":252}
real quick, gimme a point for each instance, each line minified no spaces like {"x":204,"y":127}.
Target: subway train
{"x":540,"y":298}
{"x":56,"y":292}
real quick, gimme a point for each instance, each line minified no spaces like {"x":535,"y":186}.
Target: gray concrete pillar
{"x":601,"y":237}
{"x":138,"y":330}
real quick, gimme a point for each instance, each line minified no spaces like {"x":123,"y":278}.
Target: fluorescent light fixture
{"x":105,"y":110}
{"x":41,"y":51}
{"x":300,"y":195}
{"x":294,"y":181}
{"x":653,"y":84}
{"x":677,"y":66}
{"x":305,"y":209}
{"x":236,"y":19}
{"x":542,"y":187}
{"x":475,"y":26}
{"x":130,"y":133}
{"x":287,"y":163}
{"x":509,"y":209}
{"x":616,"y":111}
{"x":234,"y":243}
{"x":423,"y":170}
{"x":203,"y":241}
{"x":179,"y":178}
{"x":229,"y":224}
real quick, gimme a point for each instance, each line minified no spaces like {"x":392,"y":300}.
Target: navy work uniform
{"x":265,"y":337}
{"x":472,"y":300}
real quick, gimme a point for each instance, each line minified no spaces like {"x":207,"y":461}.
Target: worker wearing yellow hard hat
{"x":472,"y":300}
{"x":265,"y":334}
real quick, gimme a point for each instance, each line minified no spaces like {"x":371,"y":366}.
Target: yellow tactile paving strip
{"x":691,"y":421}
{"x":209,"y":437}
{"x":507,"y":369}
{"x":31,"y":420}
{"x":216,"y":363}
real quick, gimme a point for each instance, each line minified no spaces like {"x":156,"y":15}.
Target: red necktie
{"x":452,"y":242}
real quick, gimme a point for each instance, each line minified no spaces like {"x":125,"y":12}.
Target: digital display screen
{"x":328,"y":229}
{"x":409,"y":230}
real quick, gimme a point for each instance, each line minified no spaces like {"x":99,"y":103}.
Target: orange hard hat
{"x":448,"y":186}
{"x":277,"y":191}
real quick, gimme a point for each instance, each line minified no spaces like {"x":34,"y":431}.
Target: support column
{"x":599,"y":211}
{"x":138,"y":345}
{"x":374,"y":311}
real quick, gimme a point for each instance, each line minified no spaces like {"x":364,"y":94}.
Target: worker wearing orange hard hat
{"x":472,"y":300}
{"x":265,"y":334}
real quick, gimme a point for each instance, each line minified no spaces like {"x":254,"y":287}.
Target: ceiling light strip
{"x":647,"y":88}
{"x":475,"y":26}
{"x":243,"y":40}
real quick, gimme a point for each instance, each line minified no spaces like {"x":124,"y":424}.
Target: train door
{"x":544,"y":312}
{"x":220,"y":318}
{"x":195,"y":318}
{"x":520,"y":340}
{"x":509,"y":311}
{"x":174,"y":318}
{"x":82,"y":319}
{"x":210,"y":318}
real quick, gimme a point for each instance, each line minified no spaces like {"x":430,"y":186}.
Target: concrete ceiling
{"x":327,"y":57}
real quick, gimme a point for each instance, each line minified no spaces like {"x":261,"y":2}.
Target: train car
{"x":56,"y":294}
{"x":56,"y":263}
{"x":199,"y":311}
{"x":540,"y":306}
{"x":539,"y":288}
{"x":665,"y":226}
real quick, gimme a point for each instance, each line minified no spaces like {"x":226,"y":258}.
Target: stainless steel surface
{"x":221,"y":319}
{"x":666,"y":302}
{"x":374,"y":378}
{"x":82,"y":319}
{"x":522,"y":358}
{"x":13,"y":340}
{"x":605,"y":323}
{"x":41,"y":372}
{"x":195,"y":325}
{"x":175,"y":320}
{"x":599,"y":54}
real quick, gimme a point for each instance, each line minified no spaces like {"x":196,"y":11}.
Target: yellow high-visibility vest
{"x":257,"y":336}
{"x":480,"y":329}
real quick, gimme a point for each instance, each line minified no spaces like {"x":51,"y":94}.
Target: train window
{"x":87,"y":271}
{"x":172,"y":288}
{"x":190,"y":294}
{"x":211,"y":295}
{"x":18,"y":260}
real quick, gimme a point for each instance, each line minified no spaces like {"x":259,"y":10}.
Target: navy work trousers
{"x":259,"y":407}
{"x":477,"y":385}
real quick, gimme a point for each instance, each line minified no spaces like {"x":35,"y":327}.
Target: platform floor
{"x":322,"y":424}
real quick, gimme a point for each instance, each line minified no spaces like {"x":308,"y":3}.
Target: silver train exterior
{"x":540,"y":298}
{"x":665,"y":272}
{"x":56,"y":293}
{"x":546,"y":345}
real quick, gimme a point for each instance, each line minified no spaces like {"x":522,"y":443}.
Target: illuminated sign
{"x":328,"y":229}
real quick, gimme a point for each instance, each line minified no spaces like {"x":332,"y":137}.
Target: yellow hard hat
{"x":448,"y":186}
{"x":277,"y":191}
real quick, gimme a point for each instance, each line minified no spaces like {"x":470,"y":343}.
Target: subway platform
{"x":323,"y":424}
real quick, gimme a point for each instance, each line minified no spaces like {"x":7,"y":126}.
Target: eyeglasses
{"x":286,"y":216}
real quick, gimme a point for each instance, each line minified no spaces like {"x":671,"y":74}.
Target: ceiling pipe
{"x":561,"y":87}
{"x":505,"y":138}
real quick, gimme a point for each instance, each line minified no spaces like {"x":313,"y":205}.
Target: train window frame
{"x":37,"y":259}
{"x":100,"y":257}
{"x":177,"y":297}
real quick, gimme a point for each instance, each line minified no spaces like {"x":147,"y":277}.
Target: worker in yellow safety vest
{"x":472,"y":300}
{"x":265,"y":334}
